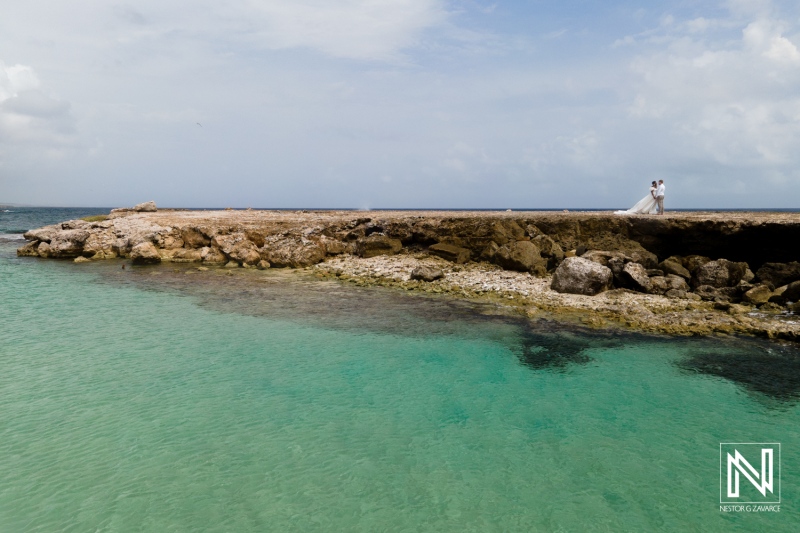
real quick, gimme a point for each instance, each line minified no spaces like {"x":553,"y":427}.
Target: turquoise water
{"x":165,"y":399}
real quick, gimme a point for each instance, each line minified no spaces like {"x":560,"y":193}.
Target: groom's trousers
{"x":660,"y":203}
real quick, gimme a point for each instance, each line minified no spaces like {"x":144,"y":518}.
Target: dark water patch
{"x":772,"y":370}
{"x":297,"y":296}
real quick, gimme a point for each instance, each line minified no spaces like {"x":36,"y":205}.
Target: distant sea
{"x":169,"y":399}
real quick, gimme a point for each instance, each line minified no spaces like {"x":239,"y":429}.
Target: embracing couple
{"x":653,"y":203}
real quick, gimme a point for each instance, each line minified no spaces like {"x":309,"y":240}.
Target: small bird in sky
{"x":199,"y":124}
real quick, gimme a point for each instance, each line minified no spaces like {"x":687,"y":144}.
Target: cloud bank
{"x":400,"y":103}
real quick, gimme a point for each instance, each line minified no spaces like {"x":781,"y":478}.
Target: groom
{"x":660,"y":197}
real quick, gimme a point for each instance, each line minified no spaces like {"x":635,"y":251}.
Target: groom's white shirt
{"x":660,"y":190}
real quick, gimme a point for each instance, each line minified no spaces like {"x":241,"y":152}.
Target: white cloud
{"x":27,"y":114}
{"x":735,"y":103}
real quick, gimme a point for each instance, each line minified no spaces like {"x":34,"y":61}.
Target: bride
{"x":645,"y":206}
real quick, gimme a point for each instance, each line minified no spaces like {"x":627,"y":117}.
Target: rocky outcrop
{"x":374,"y":245}
{"x":456,"y":254}
{"x":670,"y":282}
{"x":577,"y":275}
{"x":719,"y":273}
{"x":145,"y":254}
{"x":426,"y":273}
{"x":675,"y":268}
{"x":635,"y":276}
{"x":522,"y":256}
{"x":779,"y":274}
{"x":146,"y":207}
{"x":758,"y":295}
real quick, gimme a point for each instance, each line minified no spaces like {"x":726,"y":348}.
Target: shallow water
{"x":166,"y":399}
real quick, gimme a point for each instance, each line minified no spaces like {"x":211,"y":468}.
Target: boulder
{"x":263,"y":265}
{"x":522,"y":256}
{"x":655,"y":272}
{"x":617,"y":265}
{"x":664,"y":284}
{"x":778,"y":274}
{"x":194,"y":238}
{"x":792,"y":292}
{"x":758,"y":295}
{"x":44,"y":234}
{"x":374,"y":245}
{"x":146,"y":207}
{"x":43,"y":249}
{"x":245,"y":252}
{"x":602,"y":257}
{"x":68,"y":243}
{"x":450,"y":252}
{"x":548,"y":248}
{"x":719,"y":273}
{"x":693,"y":262}
{"x":212,"y":256}
{"x":681,"y":295}
{"x":576,"y":275}
{"x":635,"y":276}
{"x":28,"y":249}
{"x":293,"y":253}
{"x":425,"y":273}
{"x":81,"y":259}
{"x":673,"y":267}
{"x":185,"y":256}
{"x":145,"y":253}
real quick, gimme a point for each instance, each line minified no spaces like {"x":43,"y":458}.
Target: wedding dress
{"x":645,"y":206}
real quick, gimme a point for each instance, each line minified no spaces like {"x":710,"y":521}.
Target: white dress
{"x":645,"y":206}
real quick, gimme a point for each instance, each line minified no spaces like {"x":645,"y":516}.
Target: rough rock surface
{"x":676,"y":268}
{"x":145,"y":254}
{"x":146,"y":207}
{"x":456,"y":254}
{"x":576,"y":275}
{"x":301,"y":239}
{"x":377,"y":245}
{"x":664,"y":284}
{"x":779,"y":274}
{"x":758,"y":295}
{"x":719,"y":273}
{"x":522,"y":256}
{"x":635,"y":276}
{"x":426,"y":273}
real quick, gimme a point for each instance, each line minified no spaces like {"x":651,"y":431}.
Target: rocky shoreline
{"x":680,"y":274}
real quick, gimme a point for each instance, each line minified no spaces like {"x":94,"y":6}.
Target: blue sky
{"x":400,"y":103}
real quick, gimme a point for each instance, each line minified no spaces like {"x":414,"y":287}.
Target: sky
{"x":400,"y":103}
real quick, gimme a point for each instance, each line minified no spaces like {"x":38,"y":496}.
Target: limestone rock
{"x":758,"y":295}
{"x":719,"y":273}
{"x":522,"y":256}
{"x":194,"y":238}
{"x":576,"y":275}
{"x":693,"y":262}
{"x":212,"y":256}
{"x":792,"y":292}
{"x":375,"y":245}
{"x":145,"y":253}
{"x":81,"y":259}
{"x":456,"y":254}
{"x":44,"y":234}
{"x":635,"y":276}
{"x":779,"y":273}
{"x":43,"y":249}
{"x":263,"y":265}
{"x":549,"y":249}
{"x":186,"y":256}
{"x":231,"y":264}
{"x":146,"y":207}
{"x":292,"y":253}
{"x":425,"y":273}
{"x":68,"y":243}
{"x":28,"y":250}
{"x":672,"y":267}
{"x":664,"y":284}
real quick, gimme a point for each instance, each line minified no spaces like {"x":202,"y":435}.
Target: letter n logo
{"x":747,"y":472}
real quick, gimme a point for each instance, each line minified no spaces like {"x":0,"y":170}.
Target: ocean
{"x":169,"y":399}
